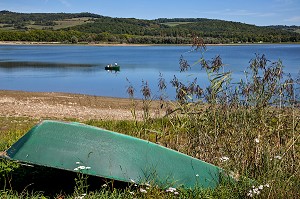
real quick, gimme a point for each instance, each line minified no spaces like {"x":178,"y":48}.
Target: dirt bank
{"x":63,"y":105}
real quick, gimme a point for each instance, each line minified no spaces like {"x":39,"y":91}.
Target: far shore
{"x":125,"y":44}
{"x":67,"y":44}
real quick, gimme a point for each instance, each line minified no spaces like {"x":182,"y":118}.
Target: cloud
{"x":285,"y":1}
{"x":293,"y":19}
{"x":65,"y":3}
{"x":230,"y":12}
{"x":241,"y":13}
{"x":270,"y":14}
{"x":249,"y":13}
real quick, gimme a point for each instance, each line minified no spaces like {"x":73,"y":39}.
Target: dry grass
{"x":65,"y":23}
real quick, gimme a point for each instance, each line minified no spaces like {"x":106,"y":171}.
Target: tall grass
{"x":250,"y":128}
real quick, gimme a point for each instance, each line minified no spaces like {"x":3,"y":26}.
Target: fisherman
{"x":116,"y":64}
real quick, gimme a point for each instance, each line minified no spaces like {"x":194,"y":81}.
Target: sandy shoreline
{"x":124,"y":44}
{"x":51,"y":105}
{"x":78,"y":44}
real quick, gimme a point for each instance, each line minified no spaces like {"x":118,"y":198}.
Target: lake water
{"x":80,"y":69}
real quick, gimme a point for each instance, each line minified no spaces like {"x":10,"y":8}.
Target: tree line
{"x":136,"y":31}
{"x":7,"y":17}
{"x":72,"y":36}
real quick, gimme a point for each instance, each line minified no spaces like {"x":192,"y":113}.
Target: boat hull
{"x":110,"y":155}
{"x":114,"y":68}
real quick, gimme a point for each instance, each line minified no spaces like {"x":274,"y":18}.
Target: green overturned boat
{"x":99,"y":152}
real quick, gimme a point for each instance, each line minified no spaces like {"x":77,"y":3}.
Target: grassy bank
{"x":263,"y":146}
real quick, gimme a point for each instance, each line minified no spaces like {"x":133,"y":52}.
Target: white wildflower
{"x":197,"y":175}
{"x":250,"y":194}
{"x":256,"y":191}
{"x":131,"y":192}
{"x":278,"y":157}
{"x":171,"y":189}
{"x":104,"y":185}
{"x":176,"y":193}
{"x":143,"y":190}
{"x":224,"y":158}
{"x":80,"y":197}
{"x":267,"y":185}
{"x":81,"y":167}
{"x":256,"y":140}
{"x":77,"y":162}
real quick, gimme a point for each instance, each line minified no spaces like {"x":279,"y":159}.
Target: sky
{"x":256,"y":12}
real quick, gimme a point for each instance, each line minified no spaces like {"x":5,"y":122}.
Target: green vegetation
{"x":250,"y":129}
{"x":62,"y":23}
{"x":172,"y":24}
{"x":288,"y":28}
{"x":22,"y":20}
{"x":87,"y":27}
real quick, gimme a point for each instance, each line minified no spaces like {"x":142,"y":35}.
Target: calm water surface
{"x":80,"y":69}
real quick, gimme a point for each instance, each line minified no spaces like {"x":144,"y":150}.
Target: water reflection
{"x":21,"y":64}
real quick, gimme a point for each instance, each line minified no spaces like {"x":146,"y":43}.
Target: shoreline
{"x":66,"y":44}
{"x":126,"y":44}
{"x":59,"y":105}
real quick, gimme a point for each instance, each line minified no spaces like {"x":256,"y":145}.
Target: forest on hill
{"x":88,"y":27}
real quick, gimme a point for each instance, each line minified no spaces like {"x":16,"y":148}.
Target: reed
{"x":250,"y":128}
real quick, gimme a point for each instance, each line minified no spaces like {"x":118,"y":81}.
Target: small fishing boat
{"x":111,"y":67}
{"x":95,"y":151}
